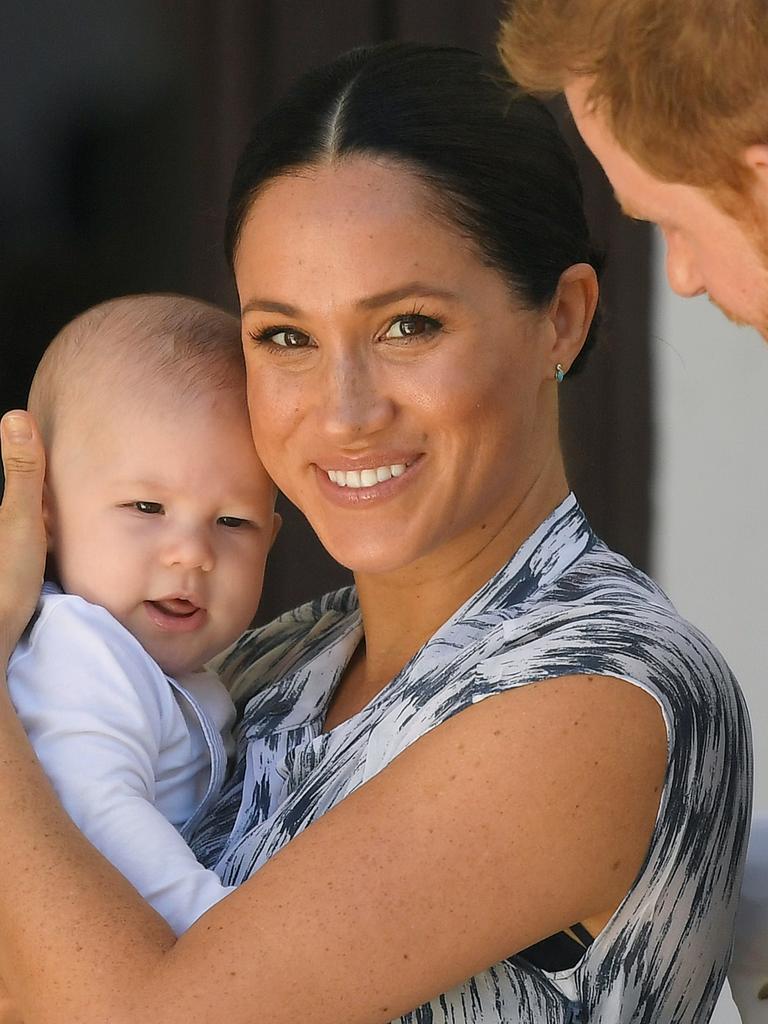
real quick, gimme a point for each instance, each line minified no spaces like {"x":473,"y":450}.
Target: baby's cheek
{"x":244,"y":585}
{"x":96,"y":574}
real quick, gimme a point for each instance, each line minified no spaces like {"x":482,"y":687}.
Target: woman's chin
{"x":369,"y":555}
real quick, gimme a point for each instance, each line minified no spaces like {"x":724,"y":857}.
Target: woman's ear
{"x":571,"y":312}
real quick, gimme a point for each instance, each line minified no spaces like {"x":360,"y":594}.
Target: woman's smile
{"x":378,"y":481}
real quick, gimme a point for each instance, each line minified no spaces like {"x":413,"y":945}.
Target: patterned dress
{"x":563,"y":605}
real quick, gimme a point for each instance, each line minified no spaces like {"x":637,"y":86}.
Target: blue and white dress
{"x":563,"y":605}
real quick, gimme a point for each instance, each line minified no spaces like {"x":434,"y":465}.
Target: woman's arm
{"x":465,"y":850}
{"x":482,"y":837}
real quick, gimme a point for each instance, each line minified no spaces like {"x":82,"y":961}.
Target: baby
{"x":159,"y":518}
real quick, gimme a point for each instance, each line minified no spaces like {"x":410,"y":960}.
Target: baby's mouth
{"x":176,"y":614}
{"x":177,"y":606}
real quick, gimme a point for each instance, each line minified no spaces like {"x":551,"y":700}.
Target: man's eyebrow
{"x":412,"y":288}
{"x":629,"y":210}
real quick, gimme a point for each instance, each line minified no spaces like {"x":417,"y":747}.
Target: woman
{"x":504,"y":740}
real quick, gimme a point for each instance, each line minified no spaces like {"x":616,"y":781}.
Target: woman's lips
{"x":375,"y":481}
{"x":175,"y":615}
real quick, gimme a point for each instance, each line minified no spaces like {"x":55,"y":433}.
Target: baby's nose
{"x":190,"y":549}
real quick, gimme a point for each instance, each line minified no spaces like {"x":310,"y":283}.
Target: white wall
{"x":710,"y":547}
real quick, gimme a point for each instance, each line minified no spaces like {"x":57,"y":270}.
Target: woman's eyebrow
{"x":369,"y":302}
{"x":405,"y":292}
{"x":270,"y":306}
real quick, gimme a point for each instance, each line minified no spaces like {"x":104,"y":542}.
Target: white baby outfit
{"x":135,"y":756}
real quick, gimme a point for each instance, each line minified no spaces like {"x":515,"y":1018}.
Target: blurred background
{"x":121,"y":124}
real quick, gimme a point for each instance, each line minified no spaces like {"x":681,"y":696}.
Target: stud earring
{"x":559,"y":373}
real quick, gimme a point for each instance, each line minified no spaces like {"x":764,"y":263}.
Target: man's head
{"x":156,"y":505}
{"x":672,"y":97}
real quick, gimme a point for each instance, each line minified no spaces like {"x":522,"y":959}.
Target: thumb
{"x":23,"y":467}
{"x":22,"y":533}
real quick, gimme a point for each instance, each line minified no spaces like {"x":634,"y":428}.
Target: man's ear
{"x":756,"y":158}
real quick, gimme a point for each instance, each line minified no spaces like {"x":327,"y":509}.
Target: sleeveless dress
{"x":563,"y":605}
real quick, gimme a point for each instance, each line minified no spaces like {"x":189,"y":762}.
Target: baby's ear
{"x":48,"y":515}
{"x":51,"y":569}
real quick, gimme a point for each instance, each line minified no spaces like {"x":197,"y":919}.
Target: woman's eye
{"x":149,"y":508}
{"x":282,"y":337}
{"x":290,"y":339}
{"x":233,"y":522}
{"x":415,"y":325}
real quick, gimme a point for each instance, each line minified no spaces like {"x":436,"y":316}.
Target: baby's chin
{"x":173,"y":666}
{"x":177,"y":670}
{"x":176,"y":663}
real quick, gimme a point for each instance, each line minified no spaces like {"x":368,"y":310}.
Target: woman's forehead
{"x":358,"y":189}
{"x":368,"y":221}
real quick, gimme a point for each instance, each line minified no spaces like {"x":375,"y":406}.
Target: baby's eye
{"x":149,"y":508}
{"x":233,"y":522}
{"x":414,"y":325}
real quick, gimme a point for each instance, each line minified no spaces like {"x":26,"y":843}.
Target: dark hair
{"x":494,"y":158}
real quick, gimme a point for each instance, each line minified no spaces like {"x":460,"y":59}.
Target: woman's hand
{"x":22,"y":534}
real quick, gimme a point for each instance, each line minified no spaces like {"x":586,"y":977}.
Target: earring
{"x":559,"y":373}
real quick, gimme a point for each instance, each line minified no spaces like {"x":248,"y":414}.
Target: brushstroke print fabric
{"x":564,"y":605}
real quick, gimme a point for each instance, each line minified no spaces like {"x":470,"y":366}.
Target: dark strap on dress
{"x":559,"y":952}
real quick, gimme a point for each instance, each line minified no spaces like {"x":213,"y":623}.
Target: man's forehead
{"x":635,"y":189}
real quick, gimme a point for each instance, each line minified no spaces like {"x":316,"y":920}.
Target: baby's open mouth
{"x":176,"y":606}
{"x":176,"y":614}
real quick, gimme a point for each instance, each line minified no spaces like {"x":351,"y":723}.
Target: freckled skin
{"x":475,"y":400}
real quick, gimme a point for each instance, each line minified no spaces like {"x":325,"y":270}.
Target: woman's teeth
{"x":365,"y":477}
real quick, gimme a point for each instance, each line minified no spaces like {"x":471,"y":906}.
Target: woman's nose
{"x":683,"y":274}
{"x":189,"y":549}
{"x":354,"y":402}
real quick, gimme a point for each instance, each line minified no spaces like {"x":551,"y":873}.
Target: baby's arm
{"x":95,"y":707}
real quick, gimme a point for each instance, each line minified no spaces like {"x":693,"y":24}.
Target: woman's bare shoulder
{"x":508,"y":822}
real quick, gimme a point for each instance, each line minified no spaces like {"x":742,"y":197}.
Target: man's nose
{"x":683,"y":273}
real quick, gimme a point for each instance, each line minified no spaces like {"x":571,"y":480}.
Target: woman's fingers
{"x":22,"y":534}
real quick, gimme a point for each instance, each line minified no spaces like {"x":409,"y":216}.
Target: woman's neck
{"x":402,"y":610}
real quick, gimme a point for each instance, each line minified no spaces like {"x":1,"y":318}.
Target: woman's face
{"x":399,"y":394}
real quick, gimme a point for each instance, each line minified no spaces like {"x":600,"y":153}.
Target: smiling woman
{"x":500,"y":779}
{"x":445,"y":381}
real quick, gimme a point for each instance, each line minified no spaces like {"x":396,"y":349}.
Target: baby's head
{"x":156,"y":505}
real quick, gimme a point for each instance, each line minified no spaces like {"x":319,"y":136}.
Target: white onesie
{"x":135,"y":756}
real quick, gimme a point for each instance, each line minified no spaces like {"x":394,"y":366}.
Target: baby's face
{"x":163,"y":515}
